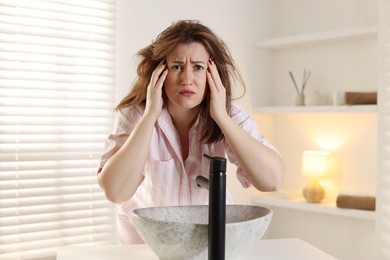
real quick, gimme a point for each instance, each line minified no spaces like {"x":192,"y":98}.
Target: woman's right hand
{"x":154,"y":100}
{"x":118,"y":183}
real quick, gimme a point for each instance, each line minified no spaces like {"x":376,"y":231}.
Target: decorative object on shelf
{"x":313,"y":97}
{"x":314,"y":165}
{"x":338,"y":98}
{"x":300,"y":98}
{"x":360,"y":98}
{"x":356,"y":202}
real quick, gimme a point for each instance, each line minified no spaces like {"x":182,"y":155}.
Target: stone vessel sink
{"x":181,"y":232}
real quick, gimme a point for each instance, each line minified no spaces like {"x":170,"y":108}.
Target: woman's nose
{"x":186,"y":76}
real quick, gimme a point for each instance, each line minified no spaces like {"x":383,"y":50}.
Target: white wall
{"x":238,"y":23}
{"x":303,"y":16}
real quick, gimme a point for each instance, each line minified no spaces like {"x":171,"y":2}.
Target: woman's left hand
{"x":217,"y":92}
{"x":262,"y":166}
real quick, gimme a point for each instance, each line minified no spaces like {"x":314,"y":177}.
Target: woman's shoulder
{"x":131,"y":113}
{"x":237,"y":112}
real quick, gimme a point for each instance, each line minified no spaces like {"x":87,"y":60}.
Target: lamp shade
{"x":315,"y":163}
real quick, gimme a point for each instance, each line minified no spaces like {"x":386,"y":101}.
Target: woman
{"x":180,"y":108}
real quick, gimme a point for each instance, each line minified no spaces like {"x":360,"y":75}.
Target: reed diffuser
{"x":300,"y":98}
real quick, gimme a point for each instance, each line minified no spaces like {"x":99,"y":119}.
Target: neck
{"x":183,"y":119}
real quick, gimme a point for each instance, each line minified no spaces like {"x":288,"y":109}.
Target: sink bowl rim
{"x":134,"y":214}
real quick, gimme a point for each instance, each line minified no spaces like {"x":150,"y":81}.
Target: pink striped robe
{"x":168,"y":180}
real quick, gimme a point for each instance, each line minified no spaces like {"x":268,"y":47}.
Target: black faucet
{"x":216,"y":184}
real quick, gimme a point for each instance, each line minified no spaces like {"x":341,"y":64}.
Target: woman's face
{"x":185,"y":84}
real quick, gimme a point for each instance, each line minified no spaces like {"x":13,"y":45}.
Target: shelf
{"x":293,"y":41}
{"x":299,"y":204}
{"x":317,"y":109}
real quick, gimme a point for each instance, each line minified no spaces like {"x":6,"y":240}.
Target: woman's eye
{"x":199,"y":67}
{"x":176,"y":67}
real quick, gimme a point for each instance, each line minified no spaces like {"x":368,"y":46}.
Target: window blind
{"x":56,"y":98}
{"x":383,"y":187}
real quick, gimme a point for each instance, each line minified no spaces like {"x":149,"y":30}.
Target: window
{"x":56,"y":98}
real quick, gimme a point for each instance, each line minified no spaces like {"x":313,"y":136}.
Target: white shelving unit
{"x":338,"y":42}
{"x":293,"y":41}
{"x":317,"y":109}
{"x":301,"y":204}
{"x":273,"y":46}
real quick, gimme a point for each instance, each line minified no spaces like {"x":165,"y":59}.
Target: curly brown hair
{"x":185,"y":31}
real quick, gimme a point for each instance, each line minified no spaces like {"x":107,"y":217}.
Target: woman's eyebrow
{"x":196,"y":61}
{"x":177,"y":62}
{"x":192,"y":62}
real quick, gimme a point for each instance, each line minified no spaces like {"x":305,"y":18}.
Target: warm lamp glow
{"x":314,"y":165}
{"x":329,"y":142}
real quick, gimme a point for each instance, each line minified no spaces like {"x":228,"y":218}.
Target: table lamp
{"x":314,"y":165}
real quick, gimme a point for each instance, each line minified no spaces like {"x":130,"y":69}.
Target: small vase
{"x":300,"y":99}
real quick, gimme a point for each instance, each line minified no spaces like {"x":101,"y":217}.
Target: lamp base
{"x":313,"y":191}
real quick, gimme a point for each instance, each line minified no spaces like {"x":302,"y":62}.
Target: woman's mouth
{"x":186,"y":92}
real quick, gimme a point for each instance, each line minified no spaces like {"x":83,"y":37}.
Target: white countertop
{"x":292,"y":248}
